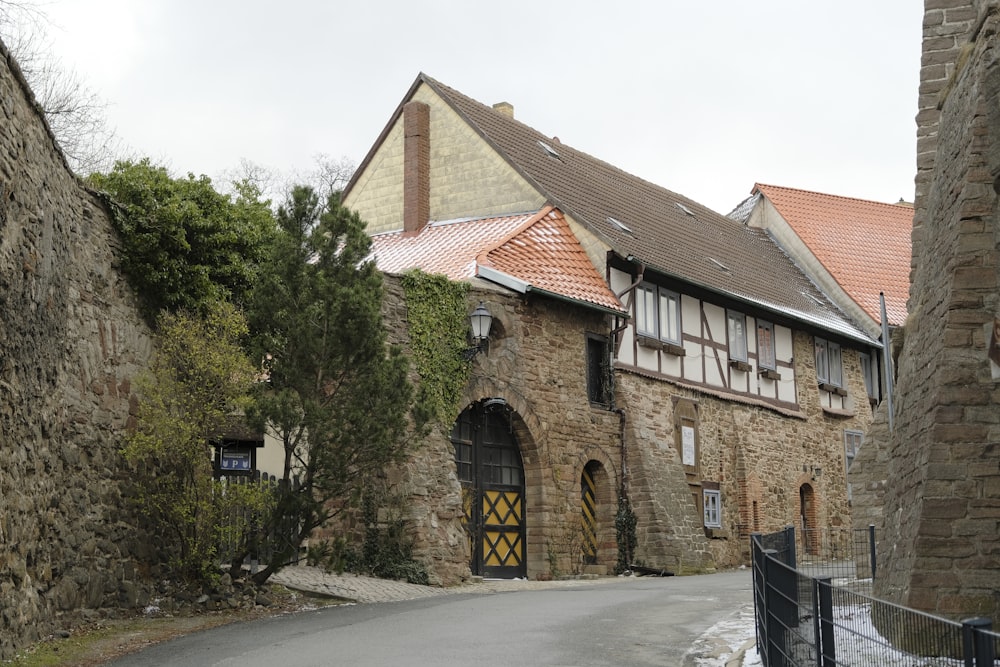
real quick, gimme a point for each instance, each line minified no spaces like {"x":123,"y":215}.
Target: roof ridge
{"x":758,"y":186}
{"x":483,"y":256}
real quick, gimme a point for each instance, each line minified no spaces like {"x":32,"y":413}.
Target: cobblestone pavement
{"x":369,"y":589}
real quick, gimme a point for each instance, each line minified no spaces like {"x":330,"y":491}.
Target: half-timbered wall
{"x":757,"y":432}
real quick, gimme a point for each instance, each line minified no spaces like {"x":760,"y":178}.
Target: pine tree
{"x":337,"y":396}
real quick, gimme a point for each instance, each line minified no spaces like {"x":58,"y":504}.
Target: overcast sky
{"x":703,"y":98}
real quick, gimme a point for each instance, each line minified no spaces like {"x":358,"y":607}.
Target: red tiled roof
{"x":448,"y":248}
{"x":545,"y":254}
{"x":864,"y":245}
{"x":535,"y":251}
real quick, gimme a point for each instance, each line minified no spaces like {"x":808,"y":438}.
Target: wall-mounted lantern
{"x":480,"y":320}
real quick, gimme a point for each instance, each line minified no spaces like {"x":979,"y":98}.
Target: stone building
{"x":735,"y":379}
{"x":858,"y":252}
{"x":536,"y":447}
{"x":71,"y":341}
{"x":940,"y":551}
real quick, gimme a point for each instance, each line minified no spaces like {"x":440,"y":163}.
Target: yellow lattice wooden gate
{"x":588,"y":519}
{"x":489,"y":466}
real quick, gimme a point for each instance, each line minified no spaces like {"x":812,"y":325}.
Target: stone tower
{"x":940,"y":550}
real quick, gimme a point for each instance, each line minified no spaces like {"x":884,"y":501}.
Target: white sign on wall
{"x":687,"y":445}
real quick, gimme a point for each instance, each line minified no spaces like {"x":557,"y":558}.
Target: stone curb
{"x":363,"y":589}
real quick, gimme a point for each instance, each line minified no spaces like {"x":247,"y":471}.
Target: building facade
{"x":737,"y":384}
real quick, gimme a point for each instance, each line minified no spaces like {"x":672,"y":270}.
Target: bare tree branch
{"x":75,"y":113}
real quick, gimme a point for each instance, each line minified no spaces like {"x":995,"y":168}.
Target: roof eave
{"x":860,"y":335}
{"x":522,"y":287}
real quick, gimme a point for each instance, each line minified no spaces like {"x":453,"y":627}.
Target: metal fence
{"x":814,"y":614}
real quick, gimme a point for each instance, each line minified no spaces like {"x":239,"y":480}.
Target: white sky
{"x":703,"y":98}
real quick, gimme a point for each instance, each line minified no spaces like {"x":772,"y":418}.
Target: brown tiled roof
{"x":529,"y":252}
{"x":864,"y":245}
{"x":665,"y":231}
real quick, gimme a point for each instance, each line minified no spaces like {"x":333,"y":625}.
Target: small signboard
{"x":687,"y":444}
{"x":235,"y":460}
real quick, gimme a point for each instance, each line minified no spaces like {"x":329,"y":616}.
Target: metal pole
{"x":826,"y":645}
{"x":871,"y":547}
{"x":886,"y":356}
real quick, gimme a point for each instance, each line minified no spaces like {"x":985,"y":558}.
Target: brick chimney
{"x":506,"y":108}
{"x":416,"y":166}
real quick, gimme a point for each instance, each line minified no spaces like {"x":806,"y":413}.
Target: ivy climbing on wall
{"x":437,"y":318}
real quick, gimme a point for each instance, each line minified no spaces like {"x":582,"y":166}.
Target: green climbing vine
{"x":625,"y":525}
{"x":436,"y":313}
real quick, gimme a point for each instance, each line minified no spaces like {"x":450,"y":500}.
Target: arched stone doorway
{"x":808,"y":519}
{"x":597,"y":510}
{"x":488,"y":462}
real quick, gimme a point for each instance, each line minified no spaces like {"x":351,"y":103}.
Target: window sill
{"x":716,"y":533}
{"x":655,"y":344}
{"x":769,"y":374}
{"x":740,"y":365}
{"x":833,"y":389}
{"x":676,"y":350}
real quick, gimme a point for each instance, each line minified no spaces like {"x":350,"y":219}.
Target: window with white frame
{"x":658,"y":313}
{"x":712,"y":502}
{"x":670,"y":316}
{"x":829,"y":367}
{"x":765,"y":345}
{"x":645,"y":310}
{"x":737,"y":335}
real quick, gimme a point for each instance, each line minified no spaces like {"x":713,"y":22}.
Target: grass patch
{"x":100,"y":642}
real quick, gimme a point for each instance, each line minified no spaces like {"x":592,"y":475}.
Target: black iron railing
{"x":814,"y":613}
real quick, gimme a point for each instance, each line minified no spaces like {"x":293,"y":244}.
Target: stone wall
{"x":536,"y":362}
{"x":759,"y":458}
{"x":940,"y":549}
{"x":71,"y":341}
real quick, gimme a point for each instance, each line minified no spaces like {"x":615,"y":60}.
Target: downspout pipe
{"x":886,"y":356}
{"x":628,"y":290}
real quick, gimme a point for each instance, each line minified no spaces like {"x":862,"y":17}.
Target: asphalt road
{"x":629,"y":621}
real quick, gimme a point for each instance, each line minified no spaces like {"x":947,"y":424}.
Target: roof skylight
{"x":548,"y":149}
{"x":619,"y":225}
{"x":814,"y":298}
{"x":717,"y":262}
{"x":684,"y":208}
